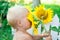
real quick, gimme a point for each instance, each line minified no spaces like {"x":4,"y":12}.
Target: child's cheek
{"x":26,"y":23}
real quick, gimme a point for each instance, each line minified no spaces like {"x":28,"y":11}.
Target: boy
{"x":17,"y":18}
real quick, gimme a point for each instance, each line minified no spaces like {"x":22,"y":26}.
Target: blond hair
{"x":16,"y":13}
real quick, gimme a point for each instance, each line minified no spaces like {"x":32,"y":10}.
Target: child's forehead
{"x":18,"y":11}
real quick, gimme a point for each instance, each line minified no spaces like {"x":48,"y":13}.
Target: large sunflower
{"x":44,"y":14}
{"x":40,"y":13}
{"x":30,"y":18}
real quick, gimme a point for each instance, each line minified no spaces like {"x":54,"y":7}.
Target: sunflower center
{"x":44,"y":16}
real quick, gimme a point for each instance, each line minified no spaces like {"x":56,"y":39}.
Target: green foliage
{"x":21,"y":2}
{"x":11,"y":4}
{"x":35,"y":18}
{"x":3,"y":9}
{"x":59,"y":29}
{"x":54,"y":28}
{"x":5,"y":33}
{"x":5,"y":30}
{"x":55,"y":8}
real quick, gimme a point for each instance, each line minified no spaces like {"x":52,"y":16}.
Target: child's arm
{"x":37,"y":37}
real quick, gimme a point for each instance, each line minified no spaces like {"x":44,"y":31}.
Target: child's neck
{"x":20,"y":29}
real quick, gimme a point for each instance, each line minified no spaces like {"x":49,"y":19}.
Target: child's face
{"x":25,"y":23}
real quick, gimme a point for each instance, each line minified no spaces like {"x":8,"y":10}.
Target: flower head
{"x":30,"y":18}
{"x":40,"y":14}
{"x":43,"y":14}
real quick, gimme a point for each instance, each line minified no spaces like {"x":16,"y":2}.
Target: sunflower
{"x":40,"y":13}
{"x":30,"y":18}
{"x":43,"y":14}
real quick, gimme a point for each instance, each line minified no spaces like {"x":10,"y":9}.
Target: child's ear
{"x":18,"y":23}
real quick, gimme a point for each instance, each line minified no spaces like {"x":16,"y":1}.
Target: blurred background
{"x":6,"y":30}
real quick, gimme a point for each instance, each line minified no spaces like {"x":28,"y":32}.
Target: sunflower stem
{"x":58,"y":35}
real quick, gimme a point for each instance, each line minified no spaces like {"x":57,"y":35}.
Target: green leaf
{"x":39,"y":22}
{"x":4,"y":22}
{"x":54,"y":28}
{"x":50,"y":28}
{"x":35,"y":18}
{"x":42,"y":28}
{"x":59,"y":29}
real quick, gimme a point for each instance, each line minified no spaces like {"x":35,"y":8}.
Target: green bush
{"x":5,"y":30}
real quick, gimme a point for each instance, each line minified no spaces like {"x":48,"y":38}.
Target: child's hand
{"x":49,"y":37}
{"x":45,"y":34}
{"x":37,"y":37}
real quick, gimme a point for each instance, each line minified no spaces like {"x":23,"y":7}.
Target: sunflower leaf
{"x":35,"y":18}
{"x":59,"y":29}
{"x":42,"y":28}
{"x":54,"y":28}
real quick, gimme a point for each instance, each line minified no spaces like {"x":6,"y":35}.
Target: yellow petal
{"x":35,"y":31}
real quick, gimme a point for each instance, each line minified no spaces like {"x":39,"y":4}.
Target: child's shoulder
{"x":22,"y":36}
